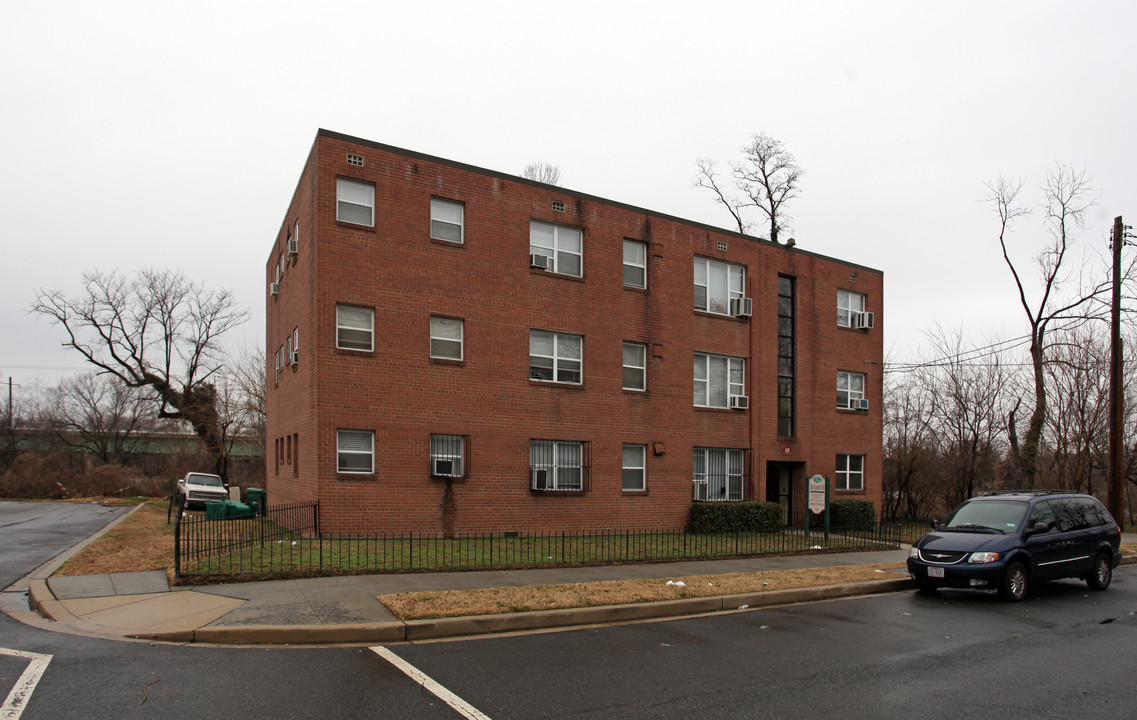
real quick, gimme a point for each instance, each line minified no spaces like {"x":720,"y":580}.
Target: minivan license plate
{"x":935,"y":572}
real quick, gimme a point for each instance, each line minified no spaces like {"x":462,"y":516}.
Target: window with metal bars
{"x":560,"y":466}
{"x":448,"y":456}
{"x":719,"y":474}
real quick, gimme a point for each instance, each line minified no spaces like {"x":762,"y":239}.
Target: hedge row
{"x":723,"y":517}
{"x":852,"y":515}
{"x":764,"y":517}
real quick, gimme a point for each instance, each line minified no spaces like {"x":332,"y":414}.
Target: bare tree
{"x":98,"y":414}
{"x":909,"y":450}
{"x":1077,"y":433}
{"x":1068,"y":195}
{"x":545,"y":172}
{"x":153,"y":329}
{"x":967,"y":410}
{"x":767,"y":176}
{"x":246,"y":382}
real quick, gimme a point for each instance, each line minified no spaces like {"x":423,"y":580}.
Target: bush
{"x":852,"y":515}
{"x":725,"y":517}
{"x":54,"y":476}
{"x":38,"y":475}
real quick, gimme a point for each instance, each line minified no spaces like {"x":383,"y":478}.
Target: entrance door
{"x":779,"y":488}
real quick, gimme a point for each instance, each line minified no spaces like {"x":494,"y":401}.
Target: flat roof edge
{"x":332,"y":134}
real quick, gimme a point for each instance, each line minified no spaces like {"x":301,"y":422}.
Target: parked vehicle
{"x":199,"y":489}
{"x":1007,"y":541}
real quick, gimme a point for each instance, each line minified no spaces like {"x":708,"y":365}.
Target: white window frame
{"x":636,"y":263}
{"x":633,"y":468}
{"x":711,"y":294}
{"x":706,"y":368}
{"x":845,"y":475}
{"x":556,"y":242}
{"x":442,"y":337}
{"x":448,"y":447}
{"x":369,"y":328}
{"x":560,"y":362}
{"x":849,"y":303}
{"x":444,"y":215}
{"x":633,"y":366}
{"x":850,"y":388}
{"x":719,"y":474}
{"x":560,"y":460}
{"x":352,"y":196}
{"x":355,"y":449}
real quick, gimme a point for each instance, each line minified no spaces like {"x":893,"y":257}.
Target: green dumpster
{"x":256,"y":498}
{"x":216,"y":510}
{"x":234,"y":509}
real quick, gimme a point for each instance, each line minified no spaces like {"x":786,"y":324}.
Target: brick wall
{"x":403,"y":396}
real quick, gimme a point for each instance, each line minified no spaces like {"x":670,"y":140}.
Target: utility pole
{"x":1116,"y":386}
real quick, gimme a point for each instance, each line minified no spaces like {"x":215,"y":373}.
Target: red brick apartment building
{"x":453,"y":348}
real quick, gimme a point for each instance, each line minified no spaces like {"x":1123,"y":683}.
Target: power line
{"x":968,"y":357}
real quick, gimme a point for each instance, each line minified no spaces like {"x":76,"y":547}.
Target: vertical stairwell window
{"x":785,"y":357}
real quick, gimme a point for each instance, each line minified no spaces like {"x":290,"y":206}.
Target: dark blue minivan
{"x":1008,"y":540}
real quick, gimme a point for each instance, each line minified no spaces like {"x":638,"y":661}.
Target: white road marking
{"x":464,"y":708}
{"x":17,"y":700}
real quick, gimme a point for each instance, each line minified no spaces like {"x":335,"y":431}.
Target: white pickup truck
{"x":201,"y":488}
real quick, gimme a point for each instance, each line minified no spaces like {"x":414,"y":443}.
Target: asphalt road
{"x":31,"y":533}
{"x":1063,"y":652}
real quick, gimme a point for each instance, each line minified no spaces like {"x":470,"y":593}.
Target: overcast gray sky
{"x":172,"y":134}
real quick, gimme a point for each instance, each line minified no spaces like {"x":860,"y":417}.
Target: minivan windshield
{"x":1004,"y":516}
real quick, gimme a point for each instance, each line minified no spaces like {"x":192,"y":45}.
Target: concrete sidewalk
{"x":341,"y":610}
{"x":333,"y":610}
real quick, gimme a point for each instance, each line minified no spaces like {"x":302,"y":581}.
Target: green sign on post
{"x":817,"y":491}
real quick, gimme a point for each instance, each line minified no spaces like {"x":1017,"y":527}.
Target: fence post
{"x":319,"y":533}
{"x":178,"y":544}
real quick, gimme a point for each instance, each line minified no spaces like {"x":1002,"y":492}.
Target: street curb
{"x":44,"y":602}
{"x":38,"y":594}
{"x":419,"y":630}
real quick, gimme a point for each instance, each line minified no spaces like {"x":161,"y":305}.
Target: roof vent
{"x":353,"y":159}
{"x":722,"y":246}
{"x":558,"y":206}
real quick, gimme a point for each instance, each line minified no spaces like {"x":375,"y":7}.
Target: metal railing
{"x":287,"y":542}
{"x":232,"y":546}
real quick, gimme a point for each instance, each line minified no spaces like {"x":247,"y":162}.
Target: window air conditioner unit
{"x":739,"y":402}
{"x":863,"y":320}
{"x":294,"y":357}
{"x":293,"y":246}
{"x":862,"y":404}
{"x":539,"y":261}
{"x":274,"y":289}
{"x":540,"y":479}
{"x":858,"y":404}
{"x":442,"y":468}
{"x":742,"y":307}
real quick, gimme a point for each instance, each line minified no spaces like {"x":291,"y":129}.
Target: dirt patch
{"x":142,"y":541}
{"x":492,"y":601}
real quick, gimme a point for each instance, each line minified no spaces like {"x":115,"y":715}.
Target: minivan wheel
{"x":1101,"y":574}
{"x":1015,"y":583}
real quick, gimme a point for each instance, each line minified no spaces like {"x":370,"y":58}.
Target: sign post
{"x":818,"y":501}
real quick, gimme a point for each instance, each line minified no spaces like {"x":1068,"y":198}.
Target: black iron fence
{"x":286,"y":541}
{"x":282,"y":535}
